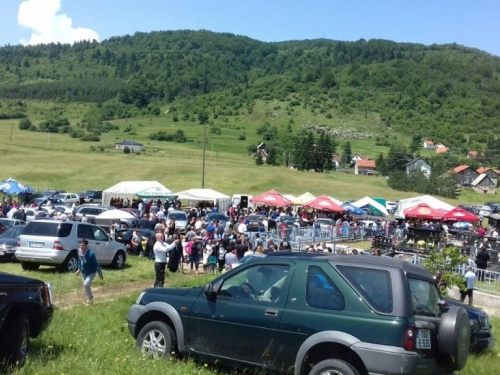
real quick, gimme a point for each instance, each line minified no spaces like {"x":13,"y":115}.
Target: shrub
{"x":126,"y":150}
{"x":25,"y":124}
{"x":90,"y":138}
{"x":242,"y":137}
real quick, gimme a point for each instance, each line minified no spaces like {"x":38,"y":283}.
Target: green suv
{"x":309,"y":314}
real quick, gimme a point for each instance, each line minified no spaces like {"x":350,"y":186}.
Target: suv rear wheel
{"x":70,"y":264}
{"x":454,"y":336}
{"x":28,"y":266}
{"x":14,"y":340}
{"x":156,"y":339}
{"x":333,"y":367}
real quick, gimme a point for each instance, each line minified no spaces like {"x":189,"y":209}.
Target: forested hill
{"x":444,"y":91}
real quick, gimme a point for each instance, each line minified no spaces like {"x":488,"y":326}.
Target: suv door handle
{"x":271,"y":312}
{"x":97,"y":243}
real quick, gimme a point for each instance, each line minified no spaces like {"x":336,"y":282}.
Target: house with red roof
{"x":429,"y":145}
{"x":366,"y":166}
{"x":475,"y":154}
{"x":336,"y":160}
{"x":443,"y":150}
{"x":465,"y":174}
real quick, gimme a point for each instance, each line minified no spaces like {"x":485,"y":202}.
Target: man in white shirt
{"x":231,"y":258}
{"x":470,"y":278}
{"x":494,"y":233}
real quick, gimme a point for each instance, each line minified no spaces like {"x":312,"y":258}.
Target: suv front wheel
{"x":333,"y":367}
{"x":156,"y":339}
{"x":14,"y":341}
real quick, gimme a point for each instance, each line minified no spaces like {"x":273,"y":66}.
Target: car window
{"x":424,"y":297}
{"x":85,"y":231}
{"x":12,"y":232}
{"x":36,"y":228}
{"x":259,"y":283}
{"x":374,"y":285}
{"x":321,"y":292}
{"x":99,"y":234}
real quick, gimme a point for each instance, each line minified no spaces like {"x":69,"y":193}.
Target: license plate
{"x":36,"y":244}
{"x":423,"y":339}
{"x":2,"y":253}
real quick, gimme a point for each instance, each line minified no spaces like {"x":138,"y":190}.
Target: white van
{"x":243,"y":200}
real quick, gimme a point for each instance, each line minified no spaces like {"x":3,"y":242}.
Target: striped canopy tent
{"x":272,"y":198}
{"x":324,"y":203}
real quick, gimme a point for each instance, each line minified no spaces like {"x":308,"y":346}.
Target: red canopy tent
{"x":459,"y":214}
{"x":272,"y":198}
{"x":324,"y":203}
{"x":423,"y":211}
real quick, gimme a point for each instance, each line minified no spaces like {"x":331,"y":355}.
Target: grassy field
{"x":57,"y":161}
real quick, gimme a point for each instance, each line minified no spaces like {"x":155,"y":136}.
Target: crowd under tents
{"x":435,"y":203}
{"x":129,"y":190}
{"x":194,"y":196}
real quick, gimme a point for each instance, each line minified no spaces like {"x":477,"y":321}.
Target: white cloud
{"x":48,"y":25}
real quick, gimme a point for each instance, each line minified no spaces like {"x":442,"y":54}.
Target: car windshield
{"x":13,"y":232}
{"x":255,"y":218}
{"x":35,"y":228}
{"x":424,"y":297}
{"x":325,"y":221}
{"x":89,"y":194}
{"x":8,"y":223}
{"x":177,"y":216}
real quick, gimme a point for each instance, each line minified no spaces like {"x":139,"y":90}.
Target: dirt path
{"x":106,"y":293}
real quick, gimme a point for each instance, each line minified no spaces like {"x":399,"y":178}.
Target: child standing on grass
{"x":88,"y":267}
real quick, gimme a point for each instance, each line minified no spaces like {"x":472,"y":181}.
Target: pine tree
{"x":346,"y":154}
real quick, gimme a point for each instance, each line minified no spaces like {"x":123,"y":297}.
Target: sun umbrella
{"x":459,"y":214}
{"x":423,"y":211}
{"x":272,"y":198}
{"x":306,"y":198}
{"x":13,"y":187}
{"x":324,"y":203}
{"x":155,"y":192}
{"x":353,"y":209}
{"x":115,"y":214}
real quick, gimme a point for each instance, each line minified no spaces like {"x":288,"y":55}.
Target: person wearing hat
{"x":88,"y":267}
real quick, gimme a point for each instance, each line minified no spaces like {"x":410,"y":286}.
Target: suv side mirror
{"x":209,"y":291}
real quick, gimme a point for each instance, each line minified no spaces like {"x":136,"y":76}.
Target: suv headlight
{"x":474,"y":324}
{"x":484,"y":322}
{"x":138,"y":300}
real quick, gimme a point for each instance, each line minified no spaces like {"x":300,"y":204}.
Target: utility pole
{"x":11,"y":129}
{"x":48,"y":140}
{"x":204,"y":147}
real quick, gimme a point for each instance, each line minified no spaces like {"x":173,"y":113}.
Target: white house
{"x":132,"y":145}
{"x":336,"y":160}
{"x":484,"y":184}
{"x":429,"y":145}
{"x":358,"y":157}
{"x":419,"y":164}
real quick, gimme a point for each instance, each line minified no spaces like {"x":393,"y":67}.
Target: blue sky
{"x":471,"y":23}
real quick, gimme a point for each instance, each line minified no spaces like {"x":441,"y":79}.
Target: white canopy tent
{"x":292,"y":199}
{"x":367,"y":201}
{"x":412,"y":202}
{"x":340,"y":203}
{"x":195,"y":195}
{"x":128,"y":189}
{"x":305,"y":198}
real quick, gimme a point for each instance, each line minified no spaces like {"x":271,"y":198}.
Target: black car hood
{"x":170,"y":291}
{"x":471,"y":310}
{"x":8,"y":279}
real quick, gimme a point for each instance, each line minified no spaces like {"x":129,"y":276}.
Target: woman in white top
{"x":161,"y":249}
{"x":207,"y":251}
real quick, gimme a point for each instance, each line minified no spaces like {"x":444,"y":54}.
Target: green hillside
{"x":447,"y":93}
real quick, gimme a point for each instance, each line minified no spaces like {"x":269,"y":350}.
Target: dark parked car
{"x":8,"y":242}
{"x":309,"y":314}
{"x":495,"y":207}
{"x":481,"y":337}
{"x":469,"y":208}
{"x":217,"y":217}
{"x":253,"y":222}
{"x":26,"y":306}
{"x":125,"y":236}
{"x":93,"y":196}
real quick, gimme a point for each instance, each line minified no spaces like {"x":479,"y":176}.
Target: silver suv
{"x":52,"y":242}
{"x":90,"y":211}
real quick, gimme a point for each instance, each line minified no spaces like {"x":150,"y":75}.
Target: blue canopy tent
{"x":13,"y":187}
{"x":353,"y":209}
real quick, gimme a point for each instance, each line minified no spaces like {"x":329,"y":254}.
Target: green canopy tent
{"x":156,"y":192}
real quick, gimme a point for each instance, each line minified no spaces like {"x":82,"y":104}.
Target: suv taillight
{"x":409,"y":339}
{"x":57,"y":246}
{"x":18,"y":243}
